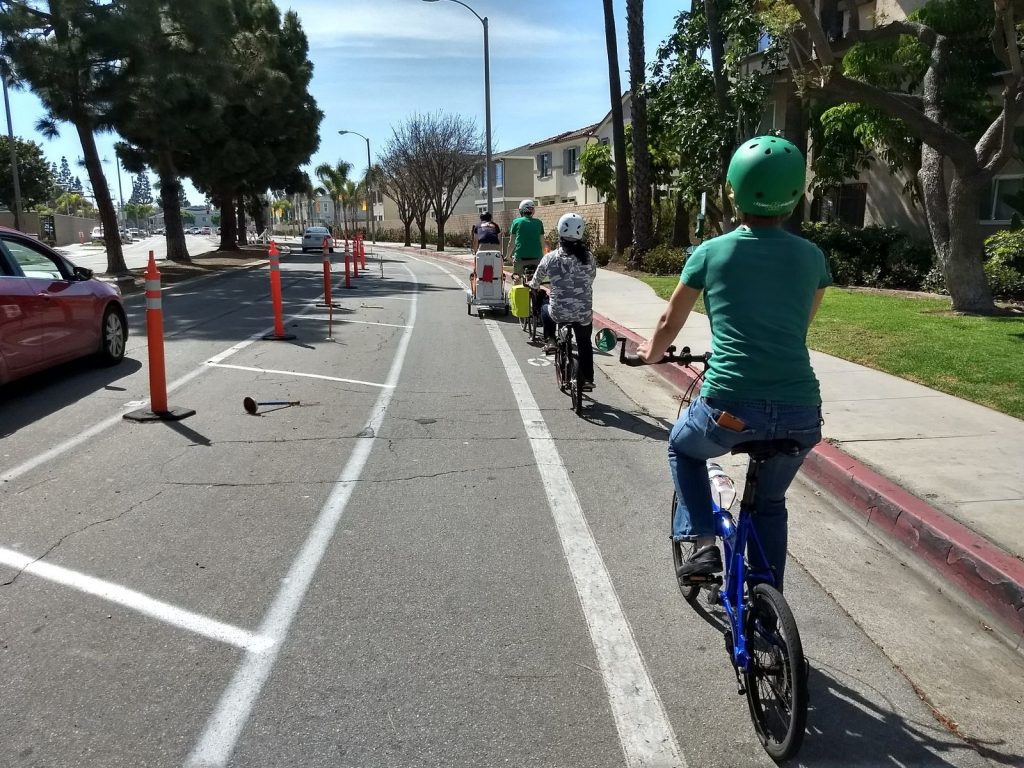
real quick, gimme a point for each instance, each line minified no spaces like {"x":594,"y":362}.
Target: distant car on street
{"x":97,"y":233}
{"x":52,"y":311}
{"x":313,"y":239}
{"x":205,"y":231}
{"x":159,"y":231}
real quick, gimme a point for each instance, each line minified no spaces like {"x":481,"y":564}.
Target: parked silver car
{"x":313,"y":239}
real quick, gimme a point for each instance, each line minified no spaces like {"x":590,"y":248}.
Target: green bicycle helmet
{"x":767,"y":176}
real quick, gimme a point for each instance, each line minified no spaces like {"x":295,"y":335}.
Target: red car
{"x":52,"y":311}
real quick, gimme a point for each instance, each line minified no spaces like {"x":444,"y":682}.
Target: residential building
{"x":513,"y":180}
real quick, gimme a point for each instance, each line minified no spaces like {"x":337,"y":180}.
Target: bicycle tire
{"x":560,"y":367}
{"x":680,"y":551}
{"x":572,"y":378}
{"x":776,"y":677}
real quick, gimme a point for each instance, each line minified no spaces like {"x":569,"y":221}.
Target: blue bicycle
{"x":762,"y":638}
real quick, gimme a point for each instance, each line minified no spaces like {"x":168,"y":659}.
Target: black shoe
{"x":705,"y":562}
{"x":587,"y":386}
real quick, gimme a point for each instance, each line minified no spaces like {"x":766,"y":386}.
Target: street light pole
{"x":489,"y":171}
{"x":369,"y":193}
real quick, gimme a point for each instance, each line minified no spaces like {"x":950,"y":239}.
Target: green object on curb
{"x":605,"y":340}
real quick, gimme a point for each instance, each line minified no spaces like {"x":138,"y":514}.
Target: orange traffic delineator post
{"x":158,"y":409}
{"x":348,"y":277}
{"x":355,"y":256}
{"x":327,"y":275}
{"x":362,"y":250}
{"x":275,"y":295}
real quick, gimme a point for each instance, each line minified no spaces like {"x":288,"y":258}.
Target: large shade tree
{"x":966,"y":122}
{"x":69,"y":52}
{"x":443,"y":152}
{"x":35,"y":177}
{"x":267,"y":123}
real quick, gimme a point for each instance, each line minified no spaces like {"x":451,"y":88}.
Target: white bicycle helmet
{"x":527,"y":206}
{"x":571,"y":227}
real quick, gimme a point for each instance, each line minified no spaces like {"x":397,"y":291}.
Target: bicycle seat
{"x":760,"y":450}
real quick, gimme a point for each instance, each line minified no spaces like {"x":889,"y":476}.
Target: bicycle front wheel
{"x":776,"y":677}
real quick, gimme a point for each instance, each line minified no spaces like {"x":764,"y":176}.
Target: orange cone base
{"x":171,"y":414}
{"x":275,"y":337}
{"x":332,"y":304}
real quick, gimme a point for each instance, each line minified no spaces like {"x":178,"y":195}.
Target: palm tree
{"x":352,"y":193}
{"x":333,"y":179}
{"x":623,"y":220}
{"x":642,"y":211}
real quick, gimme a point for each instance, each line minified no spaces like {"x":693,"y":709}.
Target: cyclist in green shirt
{"x":762,"y":287}
{"x":527,"y":242}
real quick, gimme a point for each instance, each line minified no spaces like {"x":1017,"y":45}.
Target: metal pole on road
{"x":489,"y":171}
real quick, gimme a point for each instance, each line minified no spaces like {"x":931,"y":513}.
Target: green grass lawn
{"x":975,"y":358}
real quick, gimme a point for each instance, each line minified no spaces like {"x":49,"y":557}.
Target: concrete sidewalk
{"x":942,"y":475}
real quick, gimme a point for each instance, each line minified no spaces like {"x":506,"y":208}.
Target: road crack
{"x":68,"y":535}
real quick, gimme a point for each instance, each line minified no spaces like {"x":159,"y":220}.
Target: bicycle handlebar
{"x":683,"y":358}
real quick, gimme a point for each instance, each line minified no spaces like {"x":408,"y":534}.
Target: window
{"x":544,"y":164}
{"x":605,"y":142}
{"x":571,"y":163}
{"x":499,"y":175}
{"x":845,"y":203}
{"x":763,"y":43}
{"x":996,"y":201}
{"x":768,"y":118}
{"x":34,"y":263}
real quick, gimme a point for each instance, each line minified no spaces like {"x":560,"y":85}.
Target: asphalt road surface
{"x":430,"y":561}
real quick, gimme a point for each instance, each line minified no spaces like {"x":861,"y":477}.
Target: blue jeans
{"x":697,"y":437}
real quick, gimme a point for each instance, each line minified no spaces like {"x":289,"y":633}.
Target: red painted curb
{"x":987,"y":573}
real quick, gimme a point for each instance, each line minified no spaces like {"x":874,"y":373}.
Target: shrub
{"x":880,"y":257}
{"x":664,"y":260}
{"x":457,"y":239}
{"x":934,"y":281}
{"x":603,"y":254}
{"x":1006,"y":246}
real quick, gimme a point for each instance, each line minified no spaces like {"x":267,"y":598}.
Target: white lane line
{"x":226,"y":723}
{"x":357,"y":322}
{"x":304,"y":375}
{"x":645,"y":733}
{"x":458,"y":280}
{"x":129,"y":598}
{"x":117,"y":418}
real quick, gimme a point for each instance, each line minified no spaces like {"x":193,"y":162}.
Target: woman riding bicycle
{"x":762,"y":287}
{"x":571,"y":269}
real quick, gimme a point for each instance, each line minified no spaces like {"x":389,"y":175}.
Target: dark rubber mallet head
{"x":251,"y":406}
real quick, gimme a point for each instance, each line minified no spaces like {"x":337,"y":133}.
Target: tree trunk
{"x":421,"y":222}
{"x":108,"y":216}
{"x":712,"y":12}
{"x":228,"y":224}
{"x":174,"y":230}
{"x":408,"y":232}
{"x":681,"y":223}
{"x":440,"y":233}
{"x":642,"y":210}
{"x":240,"y":218}
{"x":624,"y":221}
{"x":953,"y":223}
{"x":796,"y":131}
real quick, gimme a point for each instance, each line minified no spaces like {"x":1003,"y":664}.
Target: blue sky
{"x":378,"y":61}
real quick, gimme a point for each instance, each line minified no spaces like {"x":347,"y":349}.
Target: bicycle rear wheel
{"x":560,"y":367}
{"x":776,"y":678}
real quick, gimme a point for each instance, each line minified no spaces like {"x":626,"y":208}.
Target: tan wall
{"x":29,"y":222}
{"x":887,"y":206}
{"x":600,"y":221}
{"x":69,"y":227}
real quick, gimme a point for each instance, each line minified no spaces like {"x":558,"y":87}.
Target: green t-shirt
{"x":528,"y":232}
{"x":759,"y":285}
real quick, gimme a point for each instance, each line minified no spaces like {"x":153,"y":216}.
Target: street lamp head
{"x":342,"y":133}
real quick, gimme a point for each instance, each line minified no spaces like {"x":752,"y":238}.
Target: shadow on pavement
{"x":847,"y":725}
{"x":35,"y":397}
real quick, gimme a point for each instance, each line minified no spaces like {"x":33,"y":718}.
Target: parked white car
{"x":313,"y":239}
